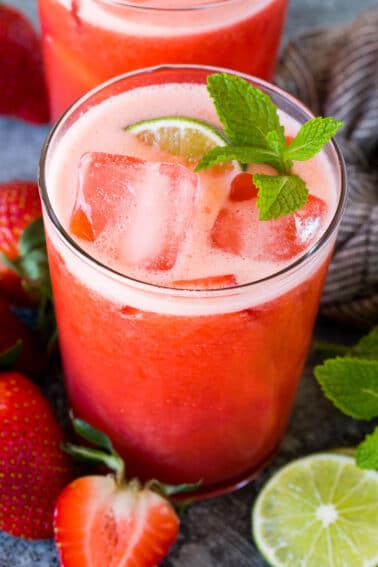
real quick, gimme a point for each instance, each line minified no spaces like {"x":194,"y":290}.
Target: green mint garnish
{"x":252,"y":125}
{"x":367,"y":452}
{"x":351,"y":383}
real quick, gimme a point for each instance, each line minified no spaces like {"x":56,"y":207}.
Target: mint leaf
{"x":279,"y":195}
{"x":243,"y":154}
{"x":247,"y":114}
{"x":367,"y":452}
{"x":367,"y":347}
{"x":351,"y":384}
{"x":251,"y":123}
{"x":312,"y":136}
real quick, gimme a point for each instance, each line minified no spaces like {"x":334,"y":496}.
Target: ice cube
{"x":238,"y":231}
{"x":146,"y":208}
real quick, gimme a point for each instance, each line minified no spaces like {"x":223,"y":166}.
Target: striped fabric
{"x":335,"y":72}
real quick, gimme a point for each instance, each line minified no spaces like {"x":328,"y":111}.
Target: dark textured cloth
{"x":334,"y":71}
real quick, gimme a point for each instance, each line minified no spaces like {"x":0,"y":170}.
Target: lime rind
{"x":319,"y":511}
{"x":181,"y":136}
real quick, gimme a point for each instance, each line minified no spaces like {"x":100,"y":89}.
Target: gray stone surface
{"x":215,"y":533}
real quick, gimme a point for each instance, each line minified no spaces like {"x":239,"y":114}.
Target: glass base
{"x":228,"y":486}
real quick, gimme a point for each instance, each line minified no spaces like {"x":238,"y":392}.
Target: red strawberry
{"x":33,"y":468}
{"x":100,"y":520}
{"x":22,"y":84}
{"x":31,"y":360}
{"x":96,"y":520}
{"x":19,"y":207}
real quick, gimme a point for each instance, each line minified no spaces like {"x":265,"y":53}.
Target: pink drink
{"x":88,"y":41}
{"x":189,"y":384}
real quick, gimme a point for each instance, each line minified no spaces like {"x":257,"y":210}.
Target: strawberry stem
{"x":113,"y":461}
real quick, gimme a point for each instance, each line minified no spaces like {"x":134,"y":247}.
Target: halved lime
{"x":179,"y":136}
{"x":319,"y":511}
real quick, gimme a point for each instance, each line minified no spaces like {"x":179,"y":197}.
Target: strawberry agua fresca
{"x":184,"y":320}
{"x":86,"y":42}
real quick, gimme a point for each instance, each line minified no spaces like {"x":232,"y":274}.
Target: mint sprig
{"x":351,"y":383}
{"x":252,"y":124}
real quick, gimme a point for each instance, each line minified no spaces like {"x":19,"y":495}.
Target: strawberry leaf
{"x":93,"y":435}
{"x":33,"y":237}
{"x":173,"y":489}
{"x":10,"y":356}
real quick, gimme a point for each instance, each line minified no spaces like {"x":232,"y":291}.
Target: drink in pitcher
{"x":184,"y":320}
{"x":86,"y":42}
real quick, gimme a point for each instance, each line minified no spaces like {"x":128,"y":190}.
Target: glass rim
{"x":97,"y":264}
{"x":157,"y":5}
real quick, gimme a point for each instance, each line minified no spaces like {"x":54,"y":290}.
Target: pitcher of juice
{"x":86,"y":42}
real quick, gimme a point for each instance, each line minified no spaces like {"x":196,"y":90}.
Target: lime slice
{"x":320,"y":511}
{"x":179,"y":136}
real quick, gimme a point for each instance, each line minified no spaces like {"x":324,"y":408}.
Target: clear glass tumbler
{"x":189,"y":384}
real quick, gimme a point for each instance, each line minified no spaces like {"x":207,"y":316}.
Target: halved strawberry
{"x":22,"y":84}
{"x":98,"y":522}
{"x":103,"y":521}
{"x":212,"y":282}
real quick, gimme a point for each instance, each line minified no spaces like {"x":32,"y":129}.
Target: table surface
{"x":215,"y":533}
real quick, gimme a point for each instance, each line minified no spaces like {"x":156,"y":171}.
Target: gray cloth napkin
{"x":334,"y":71}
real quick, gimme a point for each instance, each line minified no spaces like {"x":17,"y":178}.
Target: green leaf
{"x":93,"y":435}
{"x":367,"y":452}
{"x":311,"y":138}
{"x":172,"y":489}
{"x":279,"y":195}
{"x":32,"y":237}
{"x":243,"y":154}
{"x":367,"y":347}
{"x":10,"y":356}
{"x":85,"y":454}
{"x":247,"y":114}
{"x":351,"y":384}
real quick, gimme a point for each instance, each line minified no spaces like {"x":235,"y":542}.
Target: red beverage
{"x":89,"y":41}
{"x":184,"y":321}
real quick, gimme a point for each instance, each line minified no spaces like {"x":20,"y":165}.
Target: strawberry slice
{"x":212,"y":282}
{"x":243,"y":188}
{"x":22,"y":84}
{"x":103,"y":521}
{"x":99,"y":523}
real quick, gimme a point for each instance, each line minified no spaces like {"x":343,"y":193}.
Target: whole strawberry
{"x":23,"y":261}
{"x":107,"y":520}
{"x":33,"y":469}
{"x":22,"y":83}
